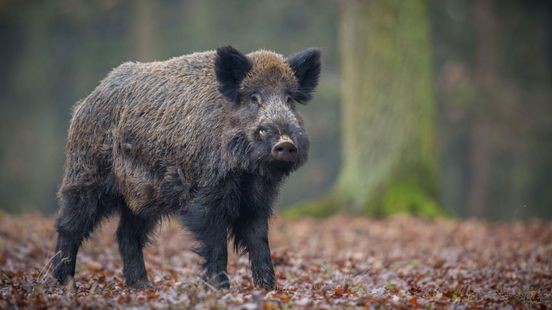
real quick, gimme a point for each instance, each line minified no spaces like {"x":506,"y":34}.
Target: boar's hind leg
{"x":251,"y":234}
{"x":132,"y":235}
{"x":81,"y":209}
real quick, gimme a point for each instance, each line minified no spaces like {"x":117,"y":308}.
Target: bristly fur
{"x":183,"y":137}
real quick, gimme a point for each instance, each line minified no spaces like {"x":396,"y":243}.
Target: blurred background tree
{"x":388,"y":113}
{"x":475,"y":75}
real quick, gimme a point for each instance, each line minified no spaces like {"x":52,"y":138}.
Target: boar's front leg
{"x":206,"y":220}
{"x":251,"y":234}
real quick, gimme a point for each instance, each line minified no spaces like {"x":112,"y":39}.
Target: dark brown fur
{"x":163,"y":138}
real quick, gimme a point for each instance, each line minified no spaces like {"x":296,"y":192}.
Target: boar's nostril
{"x":285,"y":150}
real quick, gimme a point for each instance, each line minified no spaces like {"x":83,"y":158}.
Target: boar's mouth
{"x":271,"y":169}
{"x":282,"y":166}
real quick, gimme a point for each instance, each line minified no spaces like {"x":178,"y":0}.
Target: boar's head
{"x":265,"y":133}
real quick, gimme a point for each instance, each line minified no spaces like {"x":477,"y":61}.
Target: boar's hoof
{"x":69,"y":284}
{"x":267,"y":282}
{"x":140,"y":284}
{"x":218,"y":282}
{"x":62,"y":273}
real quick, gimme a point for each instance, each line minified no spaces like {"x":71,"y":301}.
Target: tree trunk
{"x":388,"y":122}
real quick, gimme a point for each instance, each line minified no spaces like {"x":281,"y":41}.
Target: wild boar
{"x":208,"y":137}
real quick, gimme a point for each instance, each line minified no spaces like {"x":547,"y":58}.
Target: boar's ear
{"x":306,"y":65}
{"x":231,"y":67}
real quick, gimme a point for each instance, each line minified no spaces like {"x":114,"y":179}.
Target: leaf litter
{"x":399,"y":262}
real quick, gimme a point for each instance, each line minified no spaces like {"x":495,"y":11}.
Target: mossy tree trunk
{"x":388,"y":123}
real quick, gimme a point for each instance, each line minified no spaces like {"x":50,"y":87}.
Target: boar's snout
{"x":284,"y":150}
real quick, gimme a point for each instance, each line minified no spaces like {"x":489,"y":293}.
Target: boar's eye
{"x":263,"y":133}
{"x":288,"y":99}
{"x":256,"y":98}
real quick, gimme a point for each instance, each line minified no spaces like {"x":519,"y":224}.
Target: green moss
{"x":324,"y":207}
{"x":404,"y":198}
{"x":411,"y":190}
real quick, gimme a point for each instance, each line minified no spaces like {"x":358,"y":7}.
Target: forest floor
{"x":338,"y":262}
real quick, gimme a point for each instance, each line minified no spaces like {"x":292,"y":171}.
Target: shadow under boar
{"x":208,"y":137}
